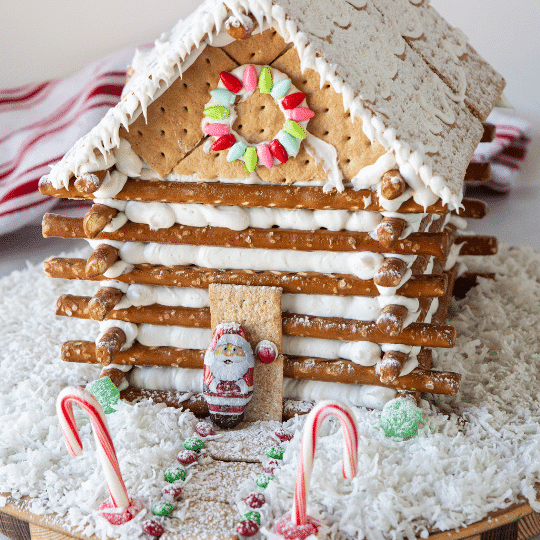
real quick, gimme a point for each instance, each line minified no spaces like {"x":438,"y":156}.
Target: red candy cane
{"x":307,"y":452}
{"x":104,"y":443}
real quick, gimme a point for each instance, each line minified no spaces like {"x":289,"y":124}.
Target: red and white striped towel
{"x":40,"y":122}
{"x":506,"y":152}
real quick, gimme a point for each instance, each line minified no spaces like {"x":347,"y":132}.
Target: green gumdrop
{"x":265,"y":81}
{"x":106,"y":392}
{"x":275,"y":452}
{"x":253,"y":515}
{"x":237,"y":151}
{"x":194,"y":443}
{"x":223,"y":97}
{"x":172,"y":474}
{"x":162,"y":508}
{"x":217,"y":112}
{"x":263,"y":480}
{"x":251,"y":159}
{"x":281,"y":88}
{"x":400,"y":418}
{"x":295,"y":129}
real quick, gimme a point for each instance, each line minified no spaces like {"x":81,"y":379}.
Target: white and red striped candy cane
{"x":307,"y":452}
{"x":104,"y":443}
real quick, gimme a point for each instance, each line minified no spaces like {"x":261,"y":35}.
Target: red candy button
{"x":204,"y":429}
{"x":255,"y":500}
{"x":187,"y":457}
{"x":283,"y":435}
{"x":293,"y":100}
{"x":231,"y":82}
{"x":278,"y":151}
{"x":247,"y":528}
{"x":224,"y":142}
{"x":153,"y":528}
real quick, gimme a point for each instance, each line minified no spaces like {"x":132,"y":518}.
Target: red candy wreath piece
{"x":231,"y":82}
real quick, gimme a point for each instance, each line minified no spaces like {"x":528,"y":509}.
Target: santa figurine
{"x":228,"y":375}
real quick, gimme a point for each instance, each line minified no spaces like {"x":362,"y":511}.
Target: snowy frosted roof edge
{"x":164,"y":64}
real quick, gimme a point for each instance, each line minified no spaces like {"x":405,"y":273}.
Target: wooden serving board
{"x":518,"y":522}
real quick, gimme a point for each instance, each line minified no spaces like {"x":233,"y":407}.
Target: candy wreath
{"x":220,"y":115}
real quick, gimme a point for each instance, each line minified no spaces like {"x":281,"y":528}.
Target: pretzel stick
{"x":295,"y":367}
{"x":268,"y":195}
{"x":477,"y":245}
{"x":489,"y":132}
{"x":427,"y":335}
{"x":116,"y":375}
{"x":478,"y":172}
{"x":390,"y":230}
{"x":433,"y":382}
{"x":473,"y":209}
{"x":467,"y":281}
{"x":109,"y":345}
{"x":97,"y":218}
{"x":90,"y":182}
{"x":439,"y":317}
{"x":391,"y":365}
{"x":390,"y":273}
{"x":101,"y":260}
{"x":201,"y":278}
{"x":433,"y":244}
{"x":103,"y":302}
{"x":137,"y":355}
{"x":392,"y":319}
{"x":393,"y":185}
{"x":196,"y":404}
{"x":420,"y":334}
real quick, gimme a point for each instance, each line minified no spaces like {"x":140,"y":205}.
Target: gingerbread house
{"x":293,"y":166}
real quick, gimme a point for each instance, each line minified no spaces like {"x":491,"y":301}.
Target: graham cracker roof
{"x":413,"y":80}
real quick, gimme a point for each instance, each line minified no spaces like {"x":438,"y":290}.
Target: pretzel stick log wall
{"x":103,"y":257}
{"x":264,"y":195}
{"x":109,"y":345}
{"x":97,"y":218}
{"x":433,"y":244}
{"x":419,"y":286}
{"x":336,"y":328}
{"x":294,"y":367}
{"x":103,"y":302}
{"x":117,"y":376}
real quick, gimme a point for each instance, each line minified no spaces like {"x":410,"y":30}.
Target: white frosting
{"x":374,"y":397}
{"x":327,"y":153}
{"x":112,"y":185}
{"x":359,"y":352}
{"x":364,"y":265}
{"x":127,"y":161}
{"x":190,"y":380}
{"x":237,"y":218}
{"x":372,"y":174}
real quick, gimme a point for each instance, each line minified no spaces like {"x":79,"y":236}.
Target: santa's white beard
{"x":228,"y":372}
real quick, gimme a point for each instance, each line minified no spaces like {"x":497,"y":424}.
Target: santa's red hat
{"x":226,"y":328}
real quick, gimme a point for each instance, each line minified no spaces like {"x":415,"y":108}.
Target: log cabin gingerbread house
{"x":309,"y":154}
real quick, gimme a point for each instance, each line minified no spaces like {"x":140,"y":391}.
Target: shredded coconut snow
{"x":481,"y":447}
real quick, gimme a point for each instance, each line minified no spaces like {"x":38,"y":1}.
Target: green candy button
{"x":265,"y":81}
{"x":295,"y":129}
{"x":194,"y":443}
{"x":172,"y":474}
{"x":251,"y":159}
{"x":162,"y":508}
{"x":275,"y":452}
{"x":217,"y":112}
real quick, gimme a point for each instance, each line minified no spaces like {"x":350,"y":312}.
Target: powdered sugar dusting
{"x":480,"y":446}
